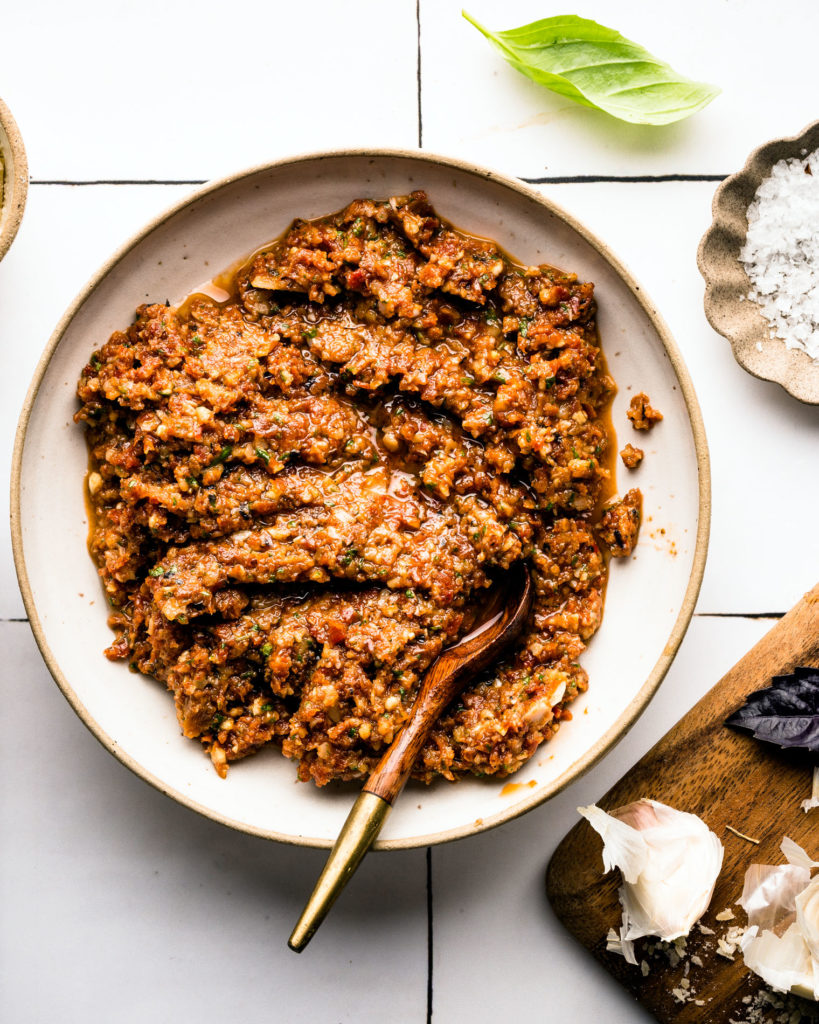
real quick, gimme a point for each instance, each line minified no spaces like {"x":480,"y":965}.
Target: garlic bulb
{"x":782,"y":903}
{"x":669,"y":860}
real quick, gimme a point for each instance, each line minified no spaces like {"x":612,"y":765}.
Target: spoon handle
{"x":357,"y":835}
{"x":375,"y":801}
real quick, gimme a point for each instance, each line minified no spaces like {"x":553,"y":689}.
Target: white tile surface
{"x":476,"y":105}
{"x":490,"y":892}
{"x":117,"y":904}
{"x":164,"y":89}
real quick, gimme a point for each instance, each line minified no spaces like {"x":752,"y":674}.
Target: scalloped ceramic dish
{"x":13,"y":179}
{"x":740,"y":321}
{"x":650,"y":597}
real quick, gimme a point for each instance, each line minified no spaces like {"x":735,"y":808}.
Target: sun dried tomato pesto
{"x":301,"y":494}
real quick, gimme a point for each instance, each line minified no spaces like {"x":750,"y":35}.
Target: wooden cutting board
{"x":727,"y":778}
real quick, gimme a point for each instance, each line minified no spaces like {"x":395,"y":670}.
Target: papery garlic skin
{"x":770,"y":892}
{"x":813,"y":800}
{"x":807,"y":917}
{"x":794,"y":854}
{"x":783,"y":962}
{"x":669,"y":860}
{"x":624,"y":846}
{"x":782,"y":903}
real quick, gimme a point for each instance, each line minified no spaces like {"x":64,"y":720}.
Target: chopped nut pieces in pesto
{"x":641,"y":413}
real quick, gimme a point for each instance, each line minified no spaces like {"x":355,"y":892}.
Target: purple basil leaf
{"x":797,"y":684}
{"x":785,"y":713}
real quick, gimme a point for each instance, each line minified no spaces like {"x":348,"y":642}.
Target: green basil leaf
{"x":598,"y":67}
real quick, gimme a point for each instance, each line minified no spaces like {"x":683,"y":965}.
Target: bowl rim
{"x":630,"y":713}
{"x":709,"y":266}
{"x":15,"y":185}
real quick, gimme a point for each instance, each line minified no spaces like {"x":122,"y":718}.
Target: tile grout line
{"x":120,"y":181}
{"x":429,"y":935}
{"x":628,"y":179}
{"x":567,"y":179}
{"x":739,"y":615}
{"x":418,"y":72}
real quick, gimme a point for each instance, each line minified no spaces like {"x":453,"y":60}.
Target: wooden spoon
{"x":444,"y":680}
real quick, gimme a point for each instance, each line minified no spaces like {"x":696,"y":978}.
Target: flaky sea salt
{"x":781,"y":252}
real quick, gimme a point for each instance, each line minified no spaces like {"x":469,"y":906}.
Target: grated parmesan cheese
{"x":781,"y":252}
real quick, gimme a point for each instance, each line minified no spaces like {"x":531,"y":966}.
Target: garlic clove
{"x":669,"y":860}
{"x":782,"y":903}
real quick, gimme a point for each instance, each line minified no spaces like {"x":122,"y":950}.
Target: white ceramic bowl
{"x":650,"y":597}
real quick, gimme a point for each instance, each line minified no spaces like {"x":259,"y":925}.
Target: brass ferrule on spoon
{"x":357,"y":835}
{"x":444,"y":680}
